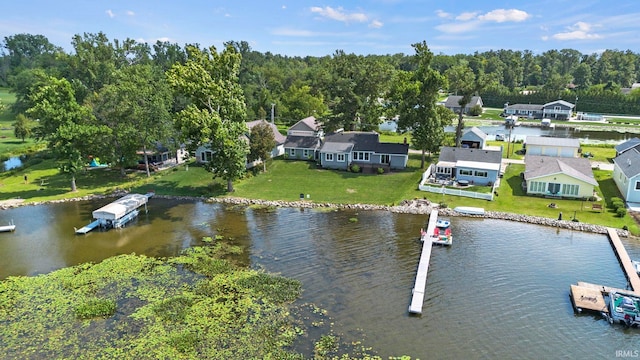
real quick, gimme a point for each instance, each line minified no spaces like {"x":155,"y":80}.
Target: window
{"x":536,"y":187}
{"x":557,"y":108}
{"x":465,"y":172}
{"x":481,"y":174}
{"x":569,"y":189}
{"x":385,"y":159}
{"x":360,"y":156}
{"x":292,"y":152}
{"x":443,"y":170}
{"x":305,"y":153}
{"x":637,"y":185}
{"x":328,"y":157}
{"x":340,"y":157}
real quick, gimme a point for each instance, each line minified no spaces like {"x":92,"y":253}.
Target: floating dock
{"x":116,"y":214}
{"x":8,"y":228}
{"x":625,"y":261}
{"x":417,"y":298}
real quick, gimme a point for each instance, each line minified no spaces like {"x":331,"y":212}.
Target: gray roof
{"x":277,"y":136}
{"x":476,"y":131}
{"x":453,"y":101}
{"x":629,"y":162}
{"x":454,"y":154}
{"x":561,"y":102}
{"x":307,"y":124}
{"x":552,"y":141}
{"x":631,"y":143}
{"x":525,"y":107}
{"x":336,"y":147}
{"x":578,"y":168}
{"x":392,"y":148}
{"x":302,"y":142}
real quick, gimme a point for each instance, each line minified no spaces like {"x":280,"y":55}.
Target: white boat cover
{"x":120,"y":207}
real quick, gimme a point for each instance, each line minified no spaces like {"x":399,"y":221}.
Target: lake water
{"x":501,"y":290}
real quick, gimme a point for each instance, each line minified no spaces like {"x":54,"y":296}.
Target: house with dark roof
{"x":626,"y":174}
{"x":341,"y":150}
{"x":627,"y":145}
{"x":453,"y":103}
{"x":475,"y":166}
{"x":552,"y":146}
{"x":566,"y":177}
{"x":473,"y":138}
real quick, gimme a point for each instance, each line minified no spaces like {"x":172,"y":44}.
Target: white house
{"x":551,"y":146}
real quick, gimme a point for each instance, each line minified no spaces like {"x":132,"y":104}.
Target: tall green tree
{"x":216,"y":113}
{"x":67,"y":127}
{"x":261,"y":143}
{"x":414,"y":95}
{"x":466,"y":84}
{"x":136,"y":107}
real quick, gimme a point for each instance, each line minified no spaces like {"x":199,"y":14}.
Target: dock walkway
{"x":625,"y":260}
{"x":417,"y":299}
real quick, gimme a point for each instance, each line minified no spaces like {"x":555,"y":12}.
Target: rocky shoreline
{"x":417,"y":206}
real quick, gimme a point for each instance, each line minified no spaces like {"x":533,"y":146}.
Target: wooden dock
{"x":587,"y":296}
{"x":625,"y":260}
{"x":417,"y":299}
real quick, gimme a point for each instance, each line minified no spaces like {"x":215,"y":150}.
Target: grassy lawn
{"x":9,"y":145}
{"x":286,"y":180}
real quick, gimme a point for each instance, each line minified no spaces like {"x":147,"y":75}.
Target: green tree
{"x":466,"y":84}
{"x":23,"y":127}
{"x":414,"y":95}
{"x":66,"y":126}
{"x":261,"y":143}
{"x":215,"y":115}
{"x":298,"y":103}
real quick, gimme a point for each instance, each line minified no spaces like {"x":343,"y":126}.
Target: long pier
{"x":417,"y":299}
{"x":587,"y":296}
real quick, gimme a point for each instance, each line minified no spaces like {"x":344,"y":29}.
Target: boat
{"x":636,"y":265}
{"x":499,"y":137}
{"x":442,"y":233}
{"x":116,"y":214}
{"x":624,"y":309}
{"x":469,"y":210}
{"x":8,"y":228}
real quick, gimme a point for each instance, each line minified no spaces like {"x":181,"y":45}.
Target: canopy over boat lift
{"x":118,"y":213}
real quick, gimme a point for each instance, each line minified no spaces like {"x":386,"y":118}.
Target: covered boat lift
{"x":118,"y":213}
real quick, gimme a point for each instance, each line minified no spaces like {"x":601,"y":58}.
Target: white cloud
{"x":130,"y":13}
{"x":457,"y":28}
{"x":339,"y":14}
{"x":292,"y":32}
{"x":578,"y":31}
{"x":110,"y":13}
{"x":466,"y":16}
{"x":376,"y":24}
{"x":505,"y":15}
{"x":284,"y":7}
{"x":443,"y":14}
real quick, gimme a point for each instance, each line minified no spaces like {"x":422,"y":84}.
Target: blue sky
{"x":317,"y":28}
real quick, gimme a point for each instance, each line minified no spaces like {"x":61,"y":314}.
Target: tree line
{"x":113,"y":98}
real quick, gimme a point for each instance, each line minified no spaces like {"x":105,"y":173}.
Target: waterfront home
{"x":453,"y":103}
{"x":343,"y":149}
{"x":552,"y":146}
{"x":160,"y":155}
{"x":309,"y":126}
{"x":626,"y":174}
{"x":567,"y":177}
{"x":472,"y":166}
{"x":473,"y":138}
{"x":559,"y":110}
{"x":304,"y":139}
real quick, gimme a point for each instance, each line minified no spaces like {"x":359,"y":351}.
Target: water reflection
{"x":12,"y":163}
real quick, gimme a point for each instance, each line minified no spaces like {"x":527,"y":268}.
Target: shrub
{"x":443,"y":205}
{"x":621,"y":212}
{"x":355,"y":168}
{"x":617,"y":204}
{"x":380,"y":170}
{"x":476,"y":110}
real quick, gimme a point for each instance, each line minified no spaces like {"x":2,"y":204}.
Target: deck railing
{"x":448,"y":191}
